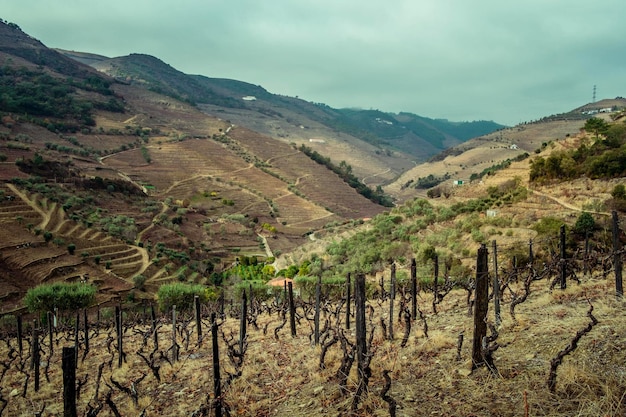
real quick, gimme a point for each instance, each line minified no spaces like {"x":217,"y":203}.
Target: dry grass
{"x":282,"y":377}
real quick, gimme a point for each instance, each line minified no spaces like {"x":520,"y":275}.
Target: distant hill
{"x":250,"y":105}
{"x":416,"y":135}
{"x":28,"y":51}
{"x":484,"y":154}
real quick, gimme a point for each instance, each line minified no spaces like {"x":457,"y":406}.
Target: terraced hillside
{"x":309,"y":178}
{"x":41,"y":245}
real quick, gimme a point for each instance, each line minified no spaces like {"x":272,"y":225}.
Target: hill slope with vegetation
{"x":392,"y":141}
{"x":145,"y":189}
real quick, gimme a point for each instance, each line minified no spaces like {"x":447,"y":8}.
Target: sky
{"x":460,"y":60}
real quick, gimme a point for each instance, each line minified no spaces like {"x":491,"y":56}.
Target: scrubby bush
{"x":584,"y":224}
{"x":64,"y":296}
{"x":333,"y":287}
{"x":140,"y":282}
{"x":182,"y":295}
{"x":260,"y":290}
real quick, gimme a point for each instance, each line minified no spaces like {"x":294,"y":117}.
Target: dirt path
{"x":145,"y":260}
{"x":375,"y":175}
{"x":568,"y":205}
{"x":44,"y":214}
{"x":310,"y":220}
{"x":273,"y":158}
{"x":199,"y":176}
{"x":268,"y":250}
{"x":141,"y":233}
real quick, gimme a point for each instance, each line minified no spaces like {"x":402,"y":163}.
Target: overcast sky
{"x":457,"y":59}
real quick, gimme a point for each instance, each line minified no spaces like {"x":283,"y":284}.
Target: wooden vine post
{"x":69,"y":381}
{"x":174,"y":344}
{"x":413,"y":289}
{"x":251,"y":300}
{"x":222,"y":301}
{"x":435,"y":283}
{"x":361,"y":331}
{"x":361,"y":338}
{"x":316,"y":319}
{"x":36,"y":360}
{"x":481,"y":306}
{"x":86,"y":330}
{"x":50,"y":331}
{"x":155,"y":334}
{"x":617,"y":256}
{"x":34,"y":345}
{"x":348,"y":300}
{"x":76,"y":331}
{"x":496,"y":284}
{"x":563,"y":259}
{"x":20,"y":344}
{"x":217,"y":382}
{"x":196,"y":303}
{"x":392,"y":296}
{"x":120,"y":333}
{"x":243,"y":321}
{"x":292,"y":310}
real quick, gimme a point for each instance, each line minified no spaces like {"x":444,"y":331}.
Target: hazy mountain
{"x":414,"y":135}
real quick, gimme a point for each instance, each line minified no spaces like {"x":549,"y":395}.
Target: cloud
{"x":486,"y":59}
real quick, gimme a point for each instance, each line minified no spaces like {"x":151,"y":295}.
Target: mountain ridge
{"x":420,"y":137}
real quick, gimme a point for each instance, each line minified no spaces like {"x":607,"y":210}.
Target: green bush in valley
{"x":584,"y":224}
{"x":619,"y":192}
{"x":548,"y":226}
{"x":64,"y":296}
{"x":140,"y":282}
{"x":333,"y":287}
{"x":182,"y":295}
{"x":260,"y":290}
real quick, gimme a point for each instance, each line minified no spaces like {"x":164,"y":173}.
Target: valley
{"x":130,"y":177}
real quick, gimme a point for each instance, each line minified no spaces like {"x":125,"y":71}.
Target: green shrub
{"x":182,"y":295}
{"x":584,"y":224}
{"x":548,"y":226}
{"x":260,"y":290}
{"x":332,"y":287}
{"x":64,"y":296}
{"x":140,"y":282}
{"x":619,"y":192}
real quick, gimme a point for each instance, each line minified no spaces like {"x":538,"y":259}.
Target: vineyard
{"x":547,"y":340}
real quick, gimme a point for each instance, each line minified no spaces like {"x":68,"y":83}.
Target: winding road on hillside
{"x":47,"y":216}
{"x":44,"y":214}
{"x":375,"y":175}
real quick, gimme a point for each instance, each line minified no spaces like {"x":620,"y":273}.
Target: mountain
{"x":26,"y":51}
{"x":380,"y":145}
